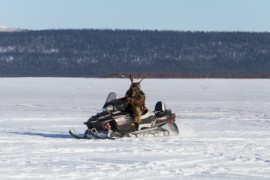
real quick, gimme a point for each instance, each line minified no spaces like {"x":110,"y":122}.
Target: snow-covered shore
{"x":224,"y":130}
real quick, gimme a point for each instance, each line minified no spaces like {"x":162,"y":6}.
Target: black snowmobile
{"x":115,"y":122}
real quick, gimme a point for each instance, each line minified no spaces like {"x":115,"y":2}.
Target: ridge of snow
{"x":4,"y":28}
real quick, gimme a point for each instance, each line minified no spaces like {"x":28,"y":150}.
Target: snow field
{"x":224,"y":130}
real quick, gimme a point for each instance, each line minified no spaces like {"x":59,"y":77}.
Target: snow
{"x":4,"y":28}
{"x":224,"y":130}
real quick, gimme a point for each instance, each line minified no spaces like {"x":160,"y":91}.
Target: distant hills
{"x":117,"y":53}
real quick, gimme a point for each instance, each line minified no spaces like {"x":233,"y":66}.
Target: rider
{"x":135,"y":98}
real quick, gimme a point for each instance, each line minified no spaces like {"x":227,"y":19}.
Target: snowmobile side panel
{"x":124,"y":123}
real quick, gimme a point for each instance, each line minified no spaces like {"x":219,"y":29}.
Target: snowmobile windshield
{"x":115,"y":106}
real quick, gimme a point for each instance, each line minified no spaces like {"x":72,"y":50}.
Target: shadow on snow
{"x":45,"y":135}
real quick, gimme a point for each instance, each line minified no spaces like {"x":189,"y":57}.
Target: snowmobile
{"x":115,"y":122}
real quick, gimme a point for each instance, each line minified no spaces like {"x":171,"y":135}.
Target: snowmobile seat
{"x":147,"y":119}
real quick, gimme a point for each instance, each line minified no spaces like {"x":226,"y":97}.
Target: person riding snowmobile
{"x":122,"y":117}
{"x":135,"y":98}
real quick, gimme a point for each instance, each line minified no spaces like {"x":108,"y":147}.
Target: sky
{"x":177,"y":15}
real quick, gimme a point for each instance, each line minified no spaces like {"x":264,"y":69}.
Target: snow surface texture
{"x":224,"y":130}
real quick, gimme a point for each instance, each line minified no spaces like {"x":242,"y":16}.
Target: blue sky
{"x":193,"y":15}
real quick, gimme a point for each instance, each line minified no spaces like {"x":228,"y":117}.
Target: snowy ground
{"x":224,"y":126}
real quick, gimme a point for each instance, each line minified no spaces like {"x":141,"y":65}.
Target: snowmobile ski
{"x":88,"y":135}
{"x":73,"y":133}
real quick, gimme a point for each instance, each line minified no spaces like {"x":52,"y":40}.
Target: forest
{"x":117,"y":53}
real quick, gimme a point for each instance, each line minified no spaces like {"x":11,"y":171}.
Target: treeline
{"x":116,"y":53}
